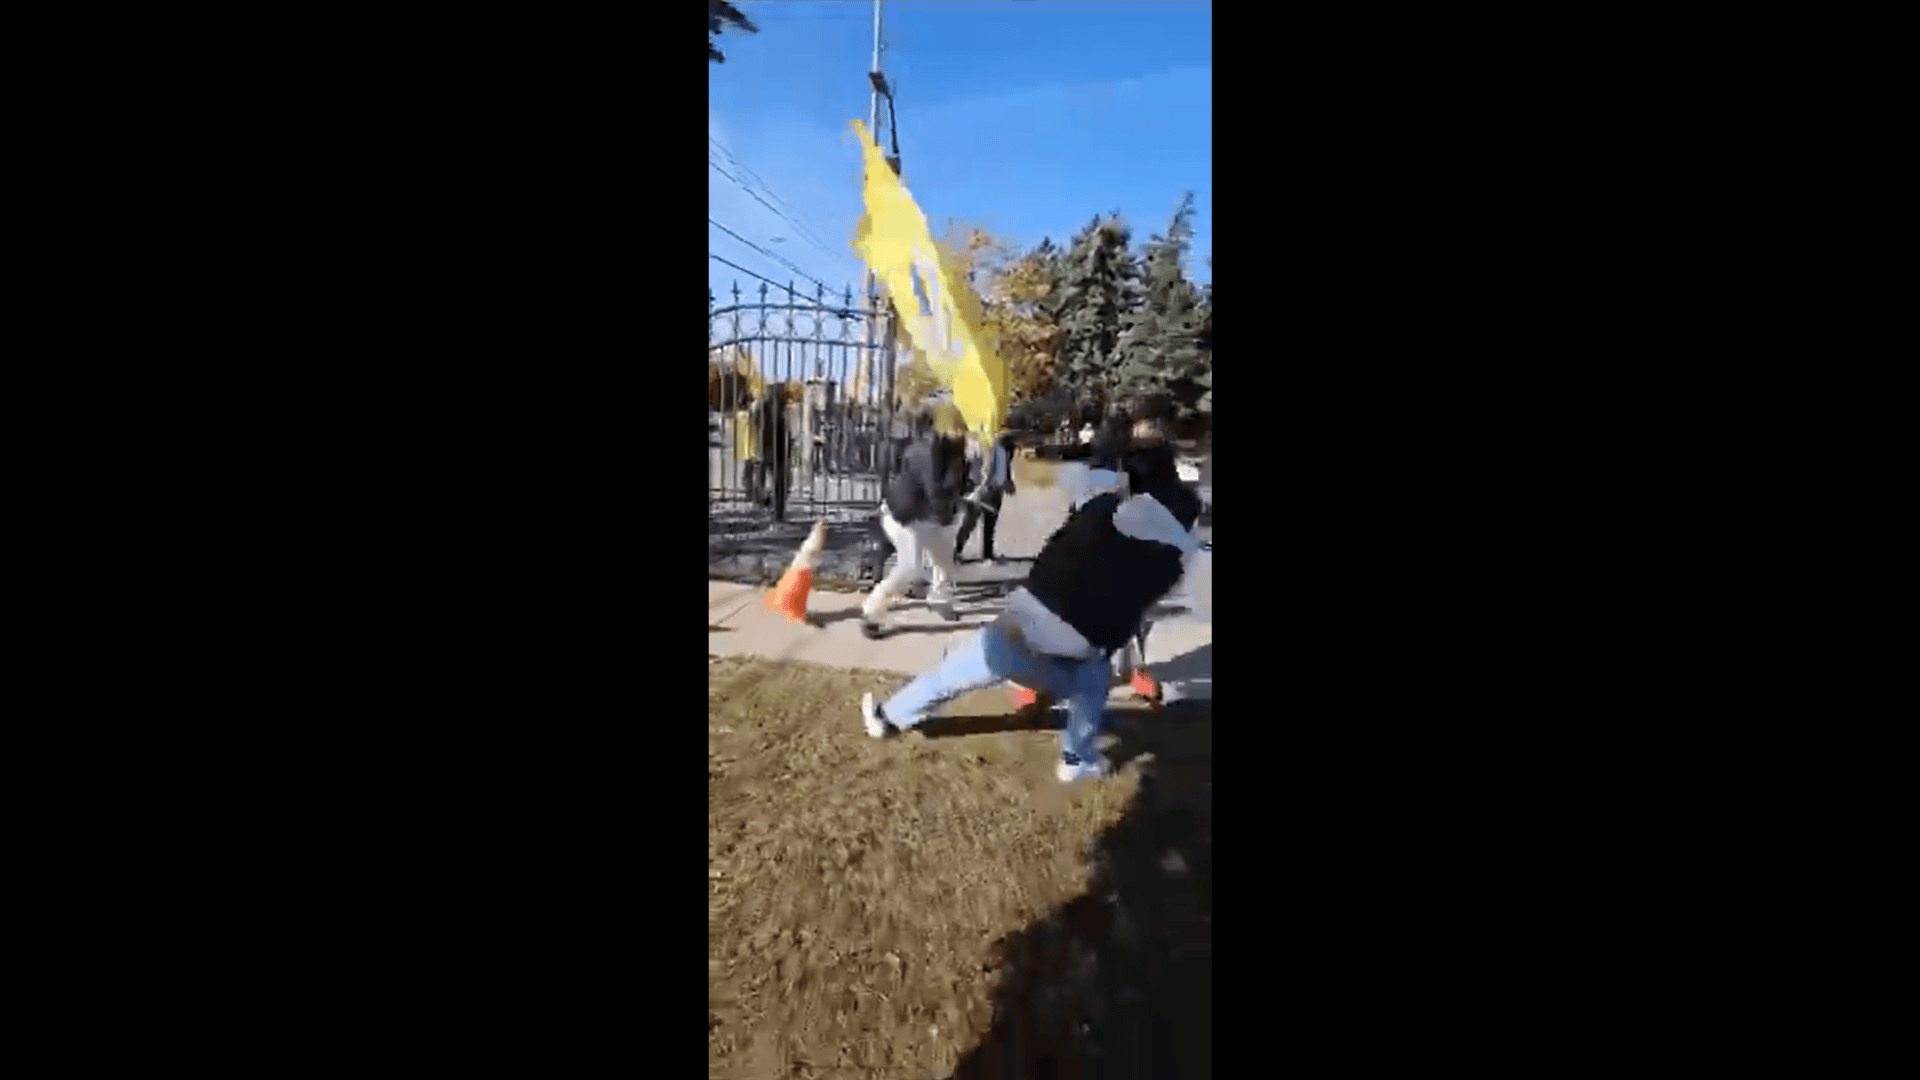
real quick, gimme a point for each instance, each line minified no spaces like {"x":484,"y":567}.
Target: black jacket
{"x":1109,"y":450}
{"x":1101,"y":581}
{"x":929,"y":484}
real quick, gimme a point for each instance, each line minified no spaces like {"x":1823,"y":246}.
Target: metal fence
{"x":800,"y":416}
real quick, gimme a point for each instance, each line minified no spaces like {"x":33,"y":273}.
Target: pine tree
{"x":1099,"y":286}
{"x":1159,"y":351}
{"x":1202,"y":380}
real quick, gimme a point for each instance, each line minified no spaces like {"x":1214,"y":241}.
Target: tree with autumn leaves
{"x":1013,"y":288}
{"x":734,"y":379}
{"x":1097,"y":321}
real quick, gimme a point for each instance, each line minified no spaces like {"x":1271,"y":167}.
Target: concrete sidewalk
{"x":1179,"y":646}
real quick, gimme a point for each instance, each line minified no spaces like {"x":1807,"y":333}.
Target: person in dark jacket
{"x":922,"y":498}
{"x":983,"y":506}
{"x":771,"y":442}
{"x":1085,"y":598}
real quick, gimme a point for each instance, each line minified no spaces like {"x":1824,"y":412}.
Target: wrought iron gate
{"x":800,"y":417}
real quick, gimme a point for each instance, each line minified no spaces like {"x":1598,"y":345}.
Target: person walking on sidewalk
{"x":1085,"y":598}
{"x":917,"y":520}
{"x":983,"y":506}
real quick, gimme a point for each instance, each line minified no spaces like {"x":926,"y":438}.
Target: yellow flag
{"x":949,"y":331}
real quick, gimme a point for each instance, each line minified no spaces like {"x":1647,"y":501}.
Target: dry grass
{"x":862,"y":895}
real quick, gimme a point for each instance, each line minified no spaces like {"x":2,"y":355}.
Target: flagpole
{"x":880,"y":335}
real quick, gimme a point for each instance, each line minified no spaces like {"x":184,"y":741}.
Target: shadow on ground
{"x":1031,"y":718}
{"x":1118,"y":983}
{"x":892,"y":629}
{"x":1187,"y":677}
{"x":977,"y":592}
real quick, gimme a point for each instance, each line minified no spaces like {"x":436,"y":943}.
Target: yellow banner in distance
{"x":937,"y":308}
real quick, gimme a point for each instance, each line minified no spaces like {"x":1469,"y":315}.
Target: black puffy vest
{"x":1101,"y":581}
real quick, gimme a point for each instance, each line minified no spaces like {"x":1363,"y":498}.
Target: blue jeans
{"x":995,"y":655}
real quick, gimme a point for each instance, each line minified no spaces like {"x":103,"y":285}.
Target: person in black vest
{"x":1084,"y":599}
{"x":922,"y":498}
{"x":983,"y":506}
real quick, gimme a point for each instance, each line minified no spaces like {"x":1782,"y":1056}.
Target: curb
{"x":834,"y":571}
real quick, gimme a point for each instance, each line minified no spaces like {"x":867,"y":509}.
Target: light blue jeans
{"x":997,"y":655}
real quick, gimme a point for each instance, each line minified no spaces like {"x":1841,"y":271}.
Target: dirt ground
{"x":939,"y":905}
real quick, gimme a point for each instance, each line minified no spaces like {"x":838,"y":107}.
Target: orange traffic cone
{"x":789,"y":598}
{"x":1143,"y":684}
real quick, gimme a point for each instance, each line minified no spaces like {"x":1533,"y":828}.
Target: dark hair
{"x":1150,"y":467}
{"x":1109,"y":448}
{"x":1154,"y":406}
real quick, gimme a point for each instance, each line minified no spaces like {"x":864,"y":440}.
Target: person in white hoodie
{"x":916,"y":520}
{"x":1085,"y":597}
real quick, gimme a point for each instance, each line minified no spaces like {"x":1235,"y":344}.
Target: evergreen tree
{"x":1099,"y":286}
{"x":1143,"y":360}
{"x":1159,"y":351}
{"x":721,"y":15}
{"x":1201,"y":381}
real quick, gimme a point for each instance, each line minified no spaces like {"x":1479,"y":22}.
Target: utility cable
{"x":786,"y":212}
{"x":776,"y":258}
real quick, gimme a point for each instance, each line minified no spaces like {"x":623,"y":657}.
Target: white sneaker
{"x":877,"y":725}
{"x":1085,"y":770}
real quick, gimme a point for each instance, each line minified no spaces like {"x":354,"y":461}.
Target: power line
{"x":743,"y":167}
{"x":785,"y":211}
{"x":781,"y":214}
{"x":751,"y":274}
{"x":768,"y":254}
{"x":785,"y":263}
{"x":763,"y":202}
{"x":839,"y":309}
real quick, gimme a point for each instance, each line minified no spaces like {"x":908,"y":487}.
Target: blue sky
{"x":1026,"y":117}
